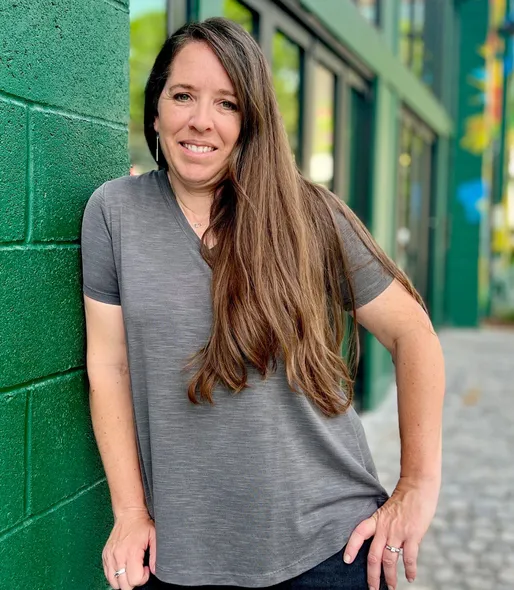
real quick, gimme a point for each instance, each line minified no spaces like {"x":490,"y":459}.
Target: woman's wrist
{"x":135,"y":510}
{"x":416,"y":479}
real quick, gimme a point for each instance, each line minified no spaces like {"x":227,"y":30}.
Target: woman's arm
{"x":113,"y":425}
{"x":404,"y":328}
{"x":111,"y":404}
{"x":401,"y":325}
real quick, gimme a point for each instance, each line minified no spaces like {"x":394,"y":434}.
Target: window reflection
{"x":405,"y":31}
{"x":413,"y":207}
{"x":418,"y":25}
{"x":147,"y":35}
{"x":322,"y":158}
{"x":420,"y":38}
{"x":368,"y":9}
{"x":240,"y":14}
{"x":286,"y":62}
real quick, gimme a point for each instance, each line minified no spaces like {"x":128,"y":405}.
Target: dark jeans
{"x":331,"y":574}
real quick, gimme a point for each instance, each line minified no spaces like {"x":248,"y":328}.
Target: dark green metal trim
{"x":345,"y":22}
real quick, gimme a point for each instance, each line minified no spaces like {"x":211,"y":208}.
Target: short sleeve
{"x":368,"y":275}
{"x":100,"y":280}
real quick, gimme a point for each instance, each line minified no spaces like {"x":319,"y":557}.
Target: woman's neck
{"x":197,"y":201}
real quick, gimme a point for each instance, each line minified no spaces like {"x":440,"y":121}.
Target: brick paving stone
{"x":470,"y":545}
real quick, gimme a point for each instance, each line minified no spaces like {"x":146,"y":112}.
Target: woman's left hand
{"x":401,"y":522}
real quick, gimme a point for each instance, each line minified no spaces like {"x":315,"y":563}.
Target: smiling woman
{"x":220,"y":401}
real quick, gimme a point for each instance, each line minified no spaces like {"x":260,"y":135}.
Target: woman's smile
{"x":197,"y":149}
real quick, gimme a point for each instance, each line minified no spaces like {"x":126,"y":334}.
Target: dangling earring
{"x":157,"y":150}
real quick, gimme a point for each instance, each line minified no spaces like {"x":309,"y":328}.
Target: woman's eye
{"x":229,"y":105}
{"x":181,"y":97}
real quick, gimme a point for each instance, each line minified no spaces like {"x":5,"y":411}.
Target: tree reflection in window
{"x":147,"y":35}
{"x":368,"y":9}
{"x":286,"y":67}
{"x":237,"y":12}
{"x":322,"y":158}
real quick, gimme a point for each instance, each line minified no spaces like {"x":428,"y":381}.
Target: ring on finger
{"x":394,"y":549}
{"x":118,"y":573}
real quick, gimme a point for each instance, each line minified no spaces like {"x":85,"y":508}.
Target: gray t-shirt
{"x":259,"y":487}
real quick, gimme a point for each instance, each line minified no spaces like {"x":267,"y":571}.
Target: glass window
{"x":418,"y":22}
{"x":405,"y":31}
{"x":368,"y":9}
{"x":239,"y":13}
{"x":420,"y":38}
{"x":322,"y":157}
{"x":286,"y":66}
{"x":404,"y":189}
{"x":413,"y":207}
{"x":147,"y":35}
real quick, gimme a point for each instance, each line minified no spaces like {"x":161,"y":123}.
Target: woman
{"x":215,"y":291}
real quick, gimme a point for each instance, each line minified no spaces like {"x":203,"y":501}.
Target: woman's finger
{"x":376,"y":552}
{"x":410,"y":559}
{"x":364,"y":531}
{"x":109,"y":569}
{"x":153,"y":550}
{"x":390,"y":562}
{"x":120,"y":563}
{"x":137,"y":573}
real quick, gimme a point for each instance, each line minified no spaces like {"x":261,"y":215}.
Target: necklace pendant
{"x":195,"y":225}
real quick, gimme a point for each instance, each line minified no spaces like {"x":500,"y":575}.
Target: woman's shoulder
{"x":124,"y":189}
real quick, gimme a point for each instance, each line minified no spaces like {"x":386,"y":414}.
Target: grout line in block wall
{"x":118,"y":5}
{"x":27,"y":500}
{"x":12,"y":390}
{"x":29,"y":179}
{"x":54,"y":110}
{"x":35,"y":245}
{"x":4,"y":535}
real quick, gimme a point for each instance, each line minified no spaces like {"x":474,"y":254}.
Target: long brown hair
{"x":279,"y":259}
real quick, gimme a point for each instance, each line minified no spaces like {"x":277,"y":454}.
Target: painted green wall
{"x":63,"y":124}
{"x":462,"y":305}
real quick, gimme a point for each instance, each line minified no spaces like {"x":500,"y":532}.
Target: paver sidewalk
{"x":470,"y":545}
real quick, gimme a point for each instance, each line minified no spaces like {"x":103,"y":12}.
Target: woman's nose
{"x":201,"y":118}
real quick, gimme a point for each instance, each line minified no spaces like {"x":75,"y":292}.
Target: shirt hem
{"x":261,"y":580}
{"x":99,"y":296}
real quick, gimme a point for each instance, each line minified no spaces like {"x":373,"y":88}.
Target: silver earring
{"x":157,"y":150}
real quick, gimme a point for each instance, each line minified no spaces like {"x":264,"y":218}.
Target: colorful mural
{"x":501,"y":225}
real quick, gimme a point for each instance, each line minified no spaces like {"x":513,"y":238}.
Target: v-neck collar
{"x":171,"y":198}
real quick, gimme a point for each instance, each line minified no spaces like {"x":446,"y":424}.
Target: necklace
{"x":195,"y":224}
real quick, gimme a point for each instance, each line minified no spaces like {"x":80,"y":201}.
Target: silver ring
{"x":119,"y":572}
{"x":394,"y":549}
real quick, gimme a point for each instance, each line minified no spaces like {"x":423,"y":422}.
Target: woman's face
{"x":199,"y":119}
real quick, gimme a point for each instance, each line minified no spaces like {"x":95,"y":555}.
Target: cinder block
{"x":63,"y":449}
{"x":61,"y":550}
{"x":42,"y":321}
{"x":56,"y":53}
{"x":13,"y":170}
{"x":72,"y":158}
{"x":12,"y":452}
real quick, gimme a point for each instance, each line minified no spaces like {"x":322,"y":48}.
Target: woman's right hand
{"x":132,"y":534}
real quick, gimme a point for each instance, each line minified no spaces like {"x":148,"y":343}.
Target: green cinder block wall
{"x":63,"y":132}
